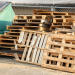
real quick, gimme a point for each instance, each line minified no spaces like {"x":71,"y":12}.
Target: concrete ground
{"x":8,"y":66}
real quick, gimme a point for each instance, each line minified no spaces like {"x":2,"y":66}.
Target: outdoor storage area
{"x":42,"y":42}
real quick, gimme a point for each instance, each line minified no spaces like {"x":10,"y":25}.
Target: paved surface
{"x":16,"y":68}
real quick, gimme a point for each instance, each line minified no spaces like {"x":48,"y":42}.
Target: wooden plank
{"x":35,"y":50}
{"x":40,"y":45}
{"x":72,"y":37}
{"x":30,"y":49}
{"x":25,"y":50}
{"x":21,"y":37}
{"x":24,"y":38}
{"x":41,"y":53}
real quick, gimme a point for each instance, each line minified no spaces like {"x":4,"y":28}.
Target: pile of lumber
{"x":45,"y":38}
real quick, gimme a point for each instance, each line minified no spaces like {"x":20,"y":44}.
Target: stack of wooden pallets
{"x":34,"y":22}
{"x":22,"y":22}
{"x":62,"y":21}
{"x":59,"y":19}
{"x":45,"y":38}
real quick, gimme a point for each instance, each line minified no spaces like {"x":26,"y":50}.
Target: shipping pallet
{"x":37,"y":27}
{"x":16,"y":28}
{"x":7,"y":40}
{"x":55,"y":20}
{"x":60,"y":53}
{"x":38,"y":21}
{"x":18,"y":24}
{"x":9,"y":37}
{"x":64,"y":16}
{"x":71,"y":14}
{"x":23,"y":21}
{"x":62,"y":23}
{"x":31,"y":17}
{"x":20,"y":21}
{"x":34,"y":43}
{"x":12,"y":33}
{"x":60,"y":26}
{"x":38,"y":12}
{"x":64,"y":31}
{"x":8,"y":52}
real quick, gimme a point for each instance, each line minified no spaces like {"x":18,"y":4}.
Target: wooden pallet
{"x":34,"y":43}
{"x":7,"y":52}
{"x":15,"y":28}
{"x":60,"y":53}
{"x":9,"y":37}
{"x":35,"y":27}
{"x":31,"y":17}
{"x":64,"y":16}
{"x":12,"y":33}
{"x":64,"y":31}
{"x":7,"y":40}
{"x":38,"y":12}
{"x":41,"y":12}
{"x":38,"y":21}
{"x":59,"y":26}
{"x":71,"y":14}
{"x":18,"y":24}
{"x":62,"y":23}
{"x":20,"y":21}
{"x":63,"y":20}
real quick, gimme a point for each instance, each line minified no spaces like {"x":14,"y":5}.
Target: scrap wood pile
{"x":45,"y":38}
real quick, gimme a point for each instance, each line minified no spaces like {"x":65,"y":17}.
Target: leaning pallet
{"x":34,"y":44}
{"x":60,"y":53}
